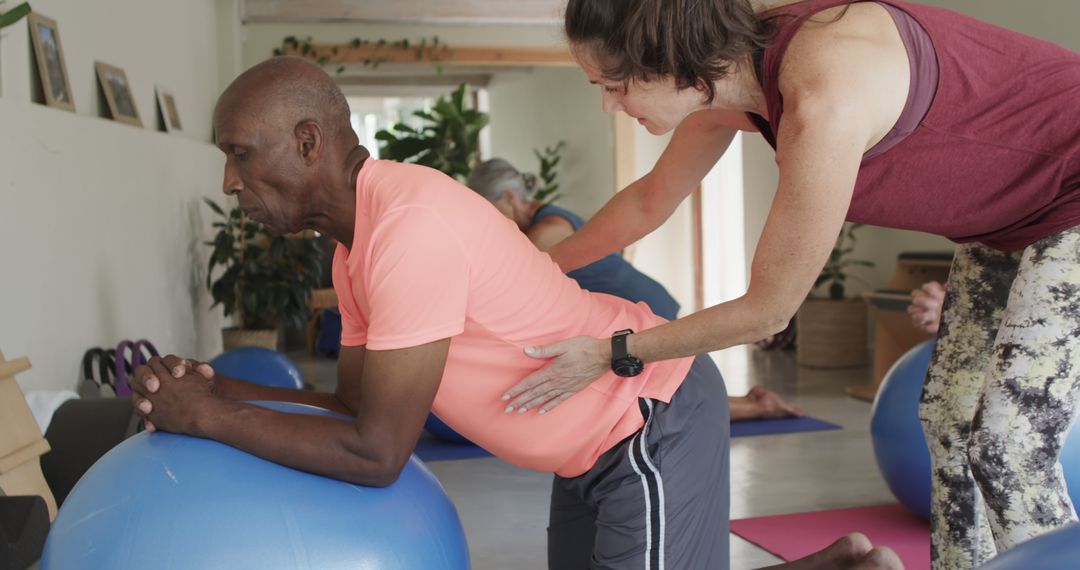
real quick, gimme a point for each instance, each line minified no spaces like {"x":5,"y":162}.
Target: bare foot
{"x":756,"y":392}
{"x":772,"y":405}
{"x":843,"y":553}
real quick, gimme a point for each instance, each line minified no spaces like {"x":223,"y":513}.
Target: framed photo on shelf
{"x":117,"y":90}
{"x":170,"y":117}
{"x":49,"y":54}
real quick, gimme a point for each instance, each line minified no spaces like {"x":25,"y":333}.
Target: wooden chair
{"x":893,"y":332}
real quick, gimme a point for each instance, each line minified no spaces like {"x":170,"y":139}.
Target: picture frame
{"x":114,"y":84}
{"x":168,"y":113}
{"x":49,"y":56}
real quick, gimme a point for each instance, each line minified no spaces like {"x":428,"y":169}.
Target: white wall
{"x":100,"y":225}
{"x":722,"y":228}
{"x":543,"y":106}
{"x":1052,"y":20}
{"x":153,"y":41}
{"x":666,"y":254}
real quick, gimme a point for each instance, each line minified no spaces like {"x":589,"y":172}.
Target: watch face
{"x":628,"y":367}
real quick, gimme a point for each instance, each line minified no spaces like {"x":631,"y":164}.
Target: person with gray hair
{"x":511,"y":192}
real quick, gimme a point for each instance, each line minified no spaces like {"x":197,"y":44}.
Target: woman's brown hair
{"x":694,"y":41}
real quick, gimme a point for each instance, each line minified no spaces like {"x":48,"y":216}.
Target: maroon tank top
{"x":987,"y":148}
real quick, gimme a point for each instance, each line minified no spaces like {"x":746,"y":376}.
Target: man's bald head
{"x":283,"y":92}
{"x":289,"y":146}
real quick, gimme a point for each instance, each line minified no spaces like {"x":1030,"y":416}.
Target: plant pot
{"x":831,"y":334}
{"x":236,"y":337}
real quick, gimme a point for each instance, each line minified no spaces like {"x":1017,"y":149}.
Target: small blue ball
{"x":259,"y":366}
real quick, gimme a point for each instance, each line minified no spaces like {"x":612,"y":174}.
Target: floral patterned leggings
{"x":1000,"y":397}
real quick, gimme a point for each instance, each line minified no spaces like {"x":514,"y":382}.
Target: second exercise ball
{"x":259,"y":366}
{"x":897,"y":435}
{"x":900,"y":446}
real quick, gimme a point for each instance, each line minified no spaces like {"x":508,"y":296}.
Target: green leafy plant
{"x":837,"y":268}
{"x":448,"y":141}
{"x":14,"y":15}
{"x":266,"y":279}
{"x":549,"y":159}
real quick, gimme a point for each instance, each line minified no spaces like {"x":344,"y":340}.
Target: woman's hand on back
{"x":577,"y":363}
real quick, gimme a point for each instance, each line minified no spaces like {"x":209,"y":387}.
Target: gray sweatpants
{"x":660,"y":498}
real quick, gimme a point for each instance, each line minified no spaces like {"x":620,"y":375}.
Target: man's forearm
{"x":240,"y":390}
{"x":317,"y":444}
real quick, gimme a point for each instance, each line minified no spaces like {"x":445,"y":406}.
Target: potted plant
{"x":265,"y":281}
{"x":449,"y":141}
{"x":831,"y":329}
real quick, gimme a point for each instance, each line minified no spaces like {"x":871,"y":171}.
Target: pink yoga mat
{"x":793,"y":536}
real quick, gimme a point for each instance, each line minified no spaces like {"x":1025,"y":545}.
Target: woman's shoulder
{"x":851,"y":53}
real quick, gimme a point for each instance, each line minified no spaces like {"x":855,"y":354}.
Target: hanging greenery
{"x":379,"y":52}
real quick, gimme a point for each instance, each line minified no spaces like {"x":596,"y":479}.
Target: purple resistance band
{"x":126,"y":366}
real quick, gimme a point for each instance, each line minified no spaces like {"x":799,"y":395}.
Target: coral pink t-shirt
{"x":431,"y":259}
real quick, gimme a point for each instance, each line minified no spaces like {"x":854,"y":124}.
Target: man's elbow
{"x":381,"y":471}
{"x":383,"y":479}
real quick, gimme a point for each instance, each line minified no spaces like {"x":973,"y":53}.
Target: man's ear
{"x":309,"y":141}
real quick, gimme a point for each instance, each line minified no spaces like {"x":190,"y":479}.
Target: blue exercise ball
{"x":259,"y":366}
{"x":443,"y":432}
{"x":897,"y":435}
{"x":899,"y":442}
{"x":162,"y":500}
{"x":1055,"y":550}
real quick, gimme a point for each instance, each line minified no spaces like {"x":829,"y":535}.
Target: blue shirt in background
{"x":614,"y":275}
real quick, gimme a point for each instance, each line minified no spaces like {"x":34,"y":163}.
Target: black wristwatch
{"x":622,"y":363}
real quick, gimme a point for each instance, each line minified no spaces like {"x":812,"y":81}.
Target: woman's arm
{"x":697,"y":143}
{"x":819,"y":160}
{"x":827,"y":126}
{"x":819,"y":154}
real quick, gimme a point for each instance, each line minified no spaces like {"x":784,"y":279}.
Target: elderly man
{"x":439,"y":294}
